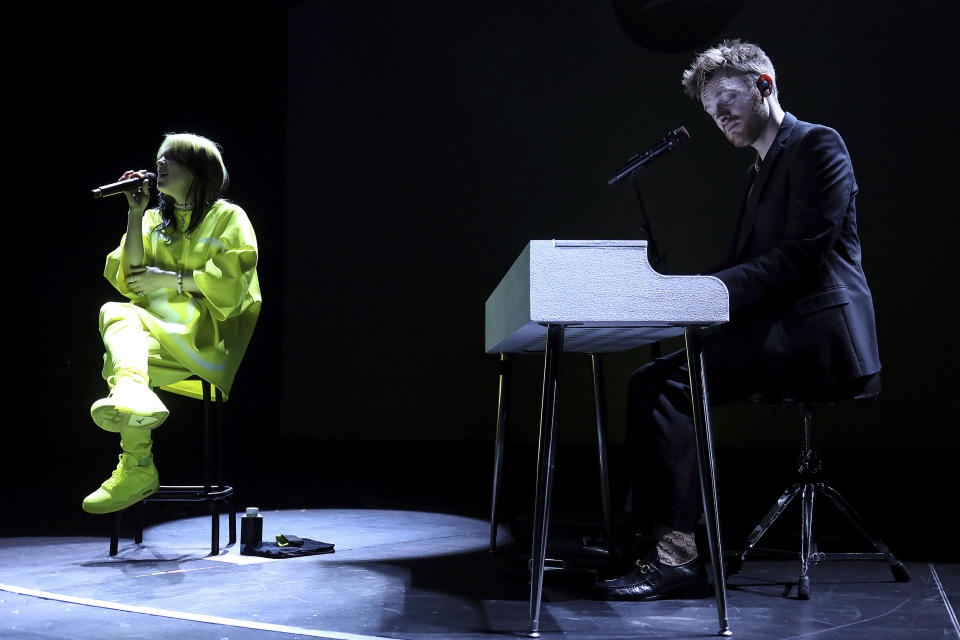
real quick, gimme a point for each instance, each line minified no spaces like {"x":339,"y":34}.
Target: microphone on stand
{"x":130,"y":184}
{"x":657,"y":260}
{"x":673,"y":139}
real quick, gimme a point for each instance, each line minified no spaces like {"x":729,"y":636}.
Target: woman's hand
{"x":137,"y":200}
{"x":145,"y":280}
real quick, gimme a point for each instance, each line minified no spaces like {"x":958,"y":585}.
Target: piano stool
{"x":208,"y":493}
{"x":808,"y":486}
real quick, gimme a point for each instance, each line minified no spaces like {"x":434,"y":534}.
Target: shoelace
{"x":118,"y":473}
{"x":115,"y":476}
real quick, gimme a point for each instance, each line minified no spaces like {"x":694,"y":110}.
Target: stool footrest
{"x":770,"y":553}
{"x":854,"y":556}
{"x":190,"y":493}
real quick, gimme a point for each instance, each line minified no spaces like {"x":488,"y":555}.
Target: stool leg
{"x":219,"y":438}
{"x":900,"y":572}
{"x":736,"y":563}
{"x":214,"y":528}
{"x":206,"y":435}
{"x":233,"y":521}
{"x":141,"y":509}
{"x":230,"y":510}
{"x":806,"y":541}
{"x":115,"y":534}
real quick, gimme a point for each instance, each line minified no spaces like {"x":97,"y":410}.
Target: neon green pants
{"x":132,"y":351}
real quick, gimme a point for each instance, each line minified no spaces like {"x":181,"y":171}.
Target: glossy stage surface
{"x":420,"y":575}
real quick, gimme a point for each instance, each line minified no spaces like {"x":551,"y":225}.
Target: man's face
{"x":735,"y":104}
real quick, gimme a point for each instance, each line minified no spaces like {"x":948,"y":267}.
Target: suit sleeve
{"x":821,"y":185}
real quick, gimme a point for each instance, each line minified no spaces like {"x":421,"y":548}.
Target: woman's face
{"x":173,"y":178}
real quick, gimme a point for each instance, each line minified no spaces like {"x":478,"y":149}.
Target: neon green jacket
{"x":209,"y":333}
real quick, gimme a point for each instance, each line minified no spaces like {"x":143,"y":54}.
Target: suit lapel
{"x":759,"y":183}
{"x":734,"y":245}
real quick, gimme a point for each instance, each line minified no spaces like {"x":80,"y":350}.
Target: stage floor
{"x":419,"y":575}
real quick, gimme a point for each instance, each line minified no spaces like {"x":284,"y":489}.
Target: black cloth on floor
{"x":273,"y":550}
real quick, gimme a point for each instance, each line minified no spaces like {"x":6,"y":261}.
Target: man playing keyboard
{"x":802,"y":315}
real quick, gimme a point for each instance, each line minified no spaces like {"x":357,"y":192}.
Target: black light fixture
{"x":674,"y":26}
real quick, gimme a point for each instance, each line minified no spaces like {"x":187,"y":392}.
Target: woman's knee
{"x":111,"y":312}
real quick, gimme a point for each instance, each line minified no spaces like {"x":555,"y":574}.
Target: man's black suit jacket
{"x":797,"y":288}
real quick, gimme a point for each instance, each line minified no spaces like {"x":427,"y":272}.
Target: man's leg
{"x":667,"y":473}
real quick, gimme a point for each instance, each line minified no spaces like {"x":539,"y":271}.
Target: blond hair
{"x":730,"y":57}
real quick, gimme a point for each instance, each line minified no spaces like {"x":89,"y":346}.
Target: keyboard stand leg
{"x":545,"y":463}
{"x":707,"y":464}
{"x":503,"y":415}
{"x":600,"y":409}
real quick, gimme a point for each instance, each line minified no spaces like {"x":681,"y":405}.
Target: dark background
{"x":394,"y":159}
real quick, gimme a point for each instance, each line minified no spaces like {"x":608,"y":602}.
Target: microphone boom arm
{"x":673,"y":139}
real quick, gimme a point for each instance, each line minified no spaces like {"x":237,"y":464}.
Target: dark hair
{"x":202,"y":158}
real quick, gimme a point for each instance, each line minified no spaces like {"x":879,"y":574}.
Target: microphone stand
{"x":657,"y":260}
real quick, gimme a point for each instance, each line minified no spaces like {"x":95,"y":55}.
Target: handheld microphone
{"x":131,"y":184}
{"x":673,"y":139}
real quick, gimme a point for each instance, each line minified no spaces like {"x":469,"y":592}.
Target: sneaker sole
{"x":114,"y":507}
{"x":110,"y":417}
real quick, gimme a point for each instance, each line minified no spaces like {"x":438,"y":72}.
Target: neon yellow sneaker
{"x":130,"y":404}
{"x":129,"y":483}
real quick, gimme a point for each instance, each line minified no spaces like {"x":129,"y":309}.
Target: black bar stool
{"x":209,"y":493}
{"x":808,"y":486}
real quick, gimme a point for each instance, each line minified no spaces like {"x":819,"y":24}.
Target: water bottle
{"x":251,"y":530}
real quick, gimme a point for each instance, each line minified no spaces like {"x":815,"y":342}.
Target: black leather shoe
{"x":624,"y":554}
{"x":649,"y":579}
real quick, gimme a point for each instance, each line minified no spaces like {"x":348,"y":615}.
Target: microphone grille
{"x":681,"y":135}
